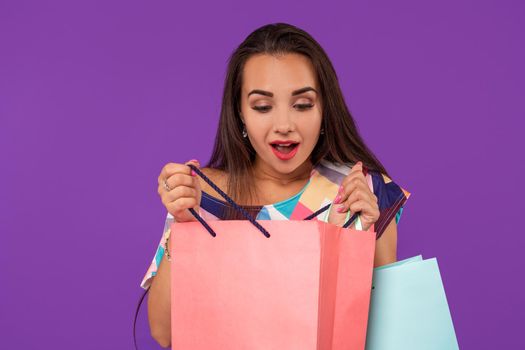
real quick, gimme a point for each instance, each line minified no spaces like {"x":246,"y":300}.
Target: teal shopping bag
{"x":409,"y":309}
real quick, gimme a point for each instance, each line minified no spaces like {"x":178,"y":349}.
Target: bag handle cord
{"x":244,"y":212}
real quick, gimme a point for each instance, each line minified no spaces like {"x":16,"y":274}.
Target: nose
{"x":283,"y":123}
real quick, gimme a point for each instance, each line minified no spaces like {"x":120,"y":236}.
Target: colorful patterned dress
{"x":320,"y":190}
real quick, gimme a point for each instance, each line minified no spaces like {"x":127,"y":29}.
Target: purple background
{"x":96,"y":97}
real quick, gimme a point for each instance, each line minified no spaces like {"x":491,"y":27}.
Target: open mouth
{"x":284,"y":148}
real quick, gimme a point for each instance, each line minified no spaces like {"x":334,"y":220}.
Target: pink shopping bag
{"x":300,"y":285}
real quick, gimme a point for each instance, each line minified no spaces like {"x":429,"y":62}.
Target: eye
{"x":262,"y":109}
{"x":300,"y":107}
{"x":303,"y":107}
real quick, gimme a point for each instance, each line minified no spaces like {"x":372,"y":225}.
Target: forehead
{"x":281,"y":74}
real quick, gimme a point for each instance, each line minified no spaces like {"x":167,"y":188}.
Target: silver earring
{"x":322,"y":131}
{"x":244,"y":132}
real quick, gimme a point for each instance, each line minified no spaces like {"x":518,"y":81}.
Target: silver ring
{"x":166,"y":186}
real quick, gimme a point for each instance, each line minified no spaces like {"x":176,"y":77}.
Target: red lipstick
{"x":284,"y":149}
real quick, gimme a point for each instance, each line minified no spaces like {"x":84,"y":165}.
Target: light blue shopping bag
{"x":409,"y":309}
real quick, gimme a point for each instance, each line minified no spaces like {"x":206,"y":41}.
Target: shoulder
{"x":379,"y":181}
{"x":333,"y":172}
{"x":391,"y":199}
{"x":341,"y":168}
{"x":387,"y":191}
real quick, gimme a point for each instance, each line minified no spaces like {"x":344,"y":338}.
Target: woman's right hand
{"x":184,"y":190}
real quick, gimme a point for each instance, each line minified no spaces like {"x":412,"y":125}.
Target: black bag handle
{"x":244,"y":212}
{"x":323,"y":209}
{"x":229,"y":200}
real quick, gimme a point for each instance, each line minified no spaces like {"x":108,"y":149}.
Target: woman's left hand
{"x":355,"y":195}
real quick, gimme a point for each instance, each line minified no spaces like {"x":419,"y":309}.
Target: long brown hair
{"x":341,"y":142}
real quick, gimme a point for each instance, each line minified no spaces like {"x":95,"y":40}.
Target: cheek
{"x":311,"y":133}
{"x":256,"y":122}
{"x":257,"y":133}
{"x":310,"y":141}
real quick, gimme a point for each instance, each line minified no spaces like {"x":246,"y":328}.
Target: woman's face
{"x":280,"y":103}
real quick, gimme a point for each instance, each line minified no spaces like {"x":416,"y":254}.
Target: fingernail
{"x":193,"y":173}
{"x":340,"y":189}
{"x":341,"y":209}
{"x":337,"y":199}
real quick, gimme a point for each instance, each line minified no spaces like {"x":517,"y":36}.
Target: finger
{"x":357,"y":178}
{"x":360,"y":194}
{"x":171,"y":169}
{"x":365,"y":209}
{"x":358,"y":167}
{"x":194,"y":162}
{"x":355,"y":196}
{"x":173,"y":181}
{"x":195,"y":179}
{"x":182,"y":204}
{"x":180,"y":180}
{"x":358,"y":170}
{"x":353,"y":184}
{"x":350,"y":187}
{"x":354,"y":174}
{"x":335,"y":217}
{"x":180,"y":192}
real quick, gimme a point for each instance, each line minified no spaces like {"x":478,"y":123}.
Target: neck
{"x":263,"y":172}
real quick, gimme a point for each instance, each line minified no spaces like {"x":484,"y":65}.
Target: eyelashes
{"x":265,"y":109}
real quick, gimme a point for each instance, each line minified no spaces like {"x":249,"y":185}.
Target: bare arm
{"x":182,"y":192}
{"x":159,"y":305}
{"x":386,"y":246}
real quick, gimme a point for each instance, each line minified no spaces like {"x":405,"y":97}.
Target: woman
{"x":286,"y":145}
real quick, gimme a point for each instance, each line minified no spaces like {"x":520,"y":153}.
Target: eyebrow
{"x":294,"y":93}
